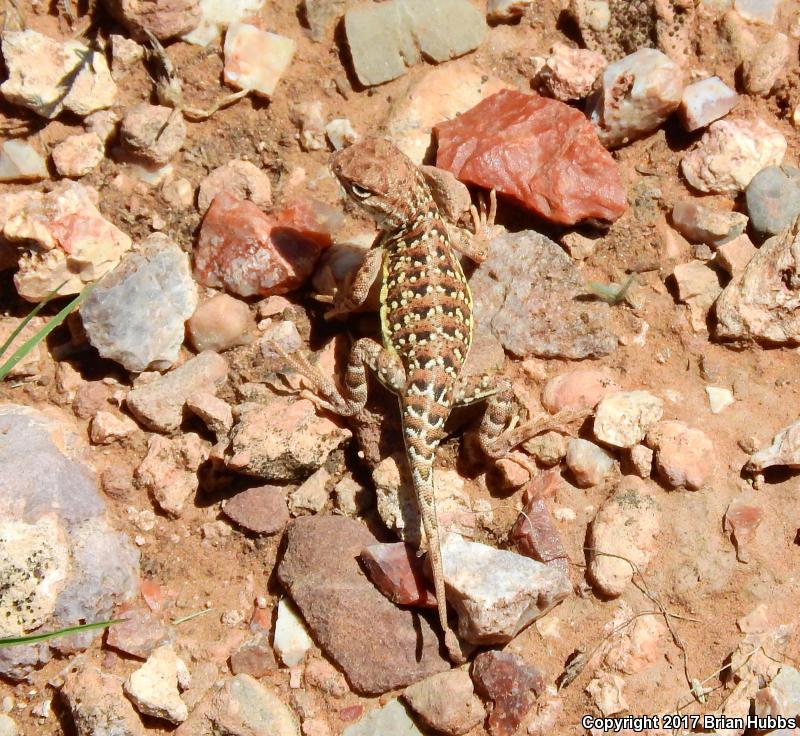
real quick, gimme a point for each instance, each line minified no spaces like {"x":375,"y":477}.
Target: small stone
{"x":569,"y":74}
{"x":577,"y":390}
{"x":446,"y":702}
{"x":784,"y":450}
{"x":159,"y":404}
{"x":340,"y":133}
{"x":625,"y":528}
{"x":742,"y":518}
{"x":498,"y":10}
{"x":734,"y":256}
{"x":549,"y":448}
{"x":153,"y":132}
{"x":261,"y":510}
{"x":781,"y":696}
{"x":140,"y":634}
{"x":322,"y":675}
{"x":47,"y":76}
{"x":698,"y":286}
{"x":107,"y":428}
{"x":497,"y":593}
{"x":178,"y":193}
{"x":500,"y":141}
{"x":8,"y":726}
{"x":136,"y":315}
{"x":704,"y":102}
{"x":352,"y":498}
{"x":20,"y":161}
{"x":217,"y":15}
{"x":622,"y":419}
{"x":759,"y":11}
{"x":635,"y":641}
{"x":397,"y":571}
{"x":77,"y":155}
{"x":590,"y":465}
{"x":311,"y":495}
{"x":773,"y":198}
{"x":164,"y":19}
{"x":636,"y":94}
{"x":103,"y":123}
{"x":255,"y":658}
{"x":30,"y":365}
{"x":511,"y":684}
{"x":684,"y":455}
{"x":719,"y":399}
{"x":125,"y":52}
{"x":245,"y":706}
{"x":221,"y":323}
{"x":536,"y":537}
{"x":255,"y":59}
{"x":578,"y":246}
{"x":390,"y":720}
{"x":761,"y":71}
{"x":699,"y":224}
{"x":280,"y":335}
{"x":240,"y":179}
{"x":153,"y":687}
{"x":291,"y":641}
{"x":321,"y":16}
{"x":215,"y":413}
{"x":642,"y":460}
{"x":730,"y":153}
{"x":606,"y":691}
{"x":97,"y":705}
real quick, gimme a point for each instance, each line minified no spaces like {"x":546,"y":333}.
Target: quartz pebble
{"x":719,"y":399}
{"x":783,"y":450}
{"x":153,"y":132}
{"x":340,"y":133}
{"x":589,"y":464}
{"x":153,"y":688}
{"x":636,"y":94}
{"x":773,"y":198}
{"x":569,"y":74}
{"x":761,"y":71}
{"x":77,"y":155}
{"x":241,"y":179}
{"x":622,"y":419}
{"x":221,"y":323}
{"x":699,"y":224}
{"x":217,"y":15}
{"x":291,"y":640}
{"x":684,"y":455}
{"x":541,"y":153}
{"x":20,"y":161}
{"x":262,"y":510}
{"x":730,"y":153}
{"x":704,"y":102}
{"x":446,"y":702}
{"x":255,"y":59}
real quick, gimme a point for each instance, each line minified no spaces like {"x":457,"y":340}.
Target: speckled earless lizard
{"x":426,"y":329}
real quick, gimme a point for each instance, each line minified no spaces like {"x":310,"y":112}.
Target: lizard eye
{"x":359,"y":192}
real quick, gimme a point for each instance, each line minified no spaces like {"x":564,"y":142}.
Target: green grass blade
{"x":14,"y":641}
{"x":21,"y":326}
{"x":54,"y":322}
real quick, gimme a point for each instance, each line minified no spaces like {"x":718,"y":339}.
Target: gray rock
{"x":245,"y":706}
{"x":446,"y":702}
{"x":525,"y":292}
{"x":390,"y":720}
{"x":783,"y":450}
{"x":136,"y":314}
{"x":321,"y":15}
{"x":158,"y":405}
{"x":58,"y":553}
{"x":378,"y":646}
{"x":773,"y":198}
{"x":98,"y":705}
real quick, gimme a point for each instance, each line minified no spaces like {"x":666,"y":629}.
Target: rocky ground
{"x":158,"y":466}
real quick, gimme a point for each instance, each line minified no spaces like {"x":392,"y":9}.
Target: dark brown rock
{"x":262,"y":510}
{"x":397,"y":572}
{"x":378,"y":646}
{"x":540,"y":152}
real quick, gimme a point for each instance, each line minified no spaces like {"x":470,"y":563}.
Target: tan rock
{"x":684,"y":456}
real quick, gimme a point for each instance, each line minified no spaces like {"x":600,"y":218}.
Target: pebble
{"x":215,"y":413}
{"x":761,"y":302}
{"x":107,"y":428}
{"x":165,"y":20}
{"x":536,"y":537}
{"x":742,"y":518}
{"x":255,"y":657}
{"x":217,"y":15}
{"x":61,"y":561}
{"x":136,"y":315}
{"x":153,"y":133}
{"x":730,"y":153}
{"x":340,"y":133}
{"x":255,"y":59}
{"x":283,"y":440}
{"x":734,"y":256}
{"x":221,"y":323}
{"x":773,"y":198}
{"x":397,"y":571}
{"x":761,"y":71}
{"x":577,"y":390}
{"x":641,"y":458}
{"x":684,"y":456}
{"x":759,"y":11}
{"x":606,"y":690}
{"x":77,"y":155}
{"x":719,"y":399}
{"x":377,"y":645}
{"x":141,"y":633}
{"x":385,"y":39}
{"x":97,"y":704}
{"x":37,"y":67}
{"x":781,"y":696}
{"x":8,"y":726}
{"x":169,"y":470}
{"x":514,"y":290}
{"x":635,"y":96}
{"x":698,"y":287}
{"x":705,"y":101}
{"x":589,"y":464}
{"x":549,"y":449}
{"x":311,"y":495}
{"x":699,"y":224}
{"x":281,"y":334}
{"x":635,"y":641}
{"x":626,"y":526}
{"x":499,"y":10}
{"x":103,"y":123}
{"x":31,"y":365}
{"x":569,"y":74}
{"x":511,"y":684}
{"x":20,"y":161}
{"x":291,"y":640}
{"x":784,"y":450}
{"x":499,"y":141}
{"x":153,"y":688}
{"x":62,"y":237}
{"x":125,"y":53}
{"x":622,"y":419}
{"x":158,"y":405}
{"x":240,"y":179}
{"x":178,"y":193}
{"x":321,"y":16}
{"x":446,"y":702}
{"x":262,"y":510}
{"x":390,"y":720}
{"x":497,"y":593}
{"x":413,"y":117}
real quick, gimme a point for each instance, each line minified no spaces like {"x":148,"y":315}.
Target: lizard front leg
{"x":475,"y":245}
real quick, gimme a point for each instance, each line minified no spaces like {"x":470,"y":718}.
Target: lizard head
{"x":382,"y":180}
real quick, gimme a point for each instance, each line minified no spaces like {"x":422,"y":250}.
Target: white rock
{"x":291,"y":641}
{"x":590,"y":464}
{"x":153,"y":687}
{"x":7,"y":726}
{"x":77,"y":155}
{"x":642,"y":460}
{"x":256,"y":59}
{"x":705,"y":101}
{"x":47,"y":76}
{"x":784,"y":450}
{"x":340,"y":133}
{"x":107,"y":427}
{"x":311,"y":495}
{"x":20,"y":161}
{"x":216,"y":15}
{"x":497,"y":593}
{"x":759,"y":11}
{"x":606,"y":691}
{"x":719,"y":399}
{"x":730,"y":153}
{"x":623,"y":418}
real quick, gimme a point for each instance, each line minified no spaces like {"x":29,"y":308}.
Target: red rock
{"x":542,"y":486}
{"x":741,"y":521}
{"x":536,"y":537}
{"x":262,"y":510}
{"x":511,"y":684}
{"x":577,"y":390}
{"x":312,"y":219}
{"x":140,"y":633}
{"x":540,"y":152}
{"x":398,"y":573}
{"x":351,"y":713}
{"x":153,"y":594}
{"x":249,"y":253}
{"x":254,"y":658}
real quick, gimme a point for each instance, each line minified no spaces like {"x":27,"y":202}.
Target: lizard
{"x":427,"y":325}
